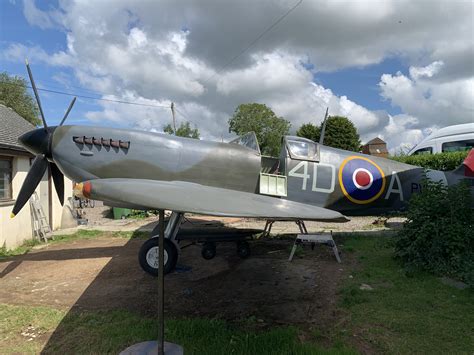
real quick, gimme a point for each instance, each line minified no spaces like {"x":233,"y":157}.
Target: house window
{"x":5,"y":178}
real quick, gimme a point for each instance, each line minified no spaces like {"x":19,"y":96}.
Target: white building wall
{"x":58,"y":210}
{"x":15,"y":231}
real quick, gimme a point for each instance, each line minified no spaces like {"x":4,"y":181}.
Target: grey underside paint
{"x":190,"y":197}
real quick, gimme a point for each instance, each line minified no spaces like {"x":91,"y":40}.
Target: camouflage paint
{"x":165,"y":158}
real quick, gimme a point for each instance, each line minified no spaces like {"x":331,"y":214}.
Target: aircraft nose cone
{"x":38,"y":140}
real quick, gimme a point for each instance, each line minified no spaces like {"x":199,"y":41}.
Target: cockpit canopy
{"x":248,"y":140}
{"x":298,"y":148}
{"x":301,"y":148}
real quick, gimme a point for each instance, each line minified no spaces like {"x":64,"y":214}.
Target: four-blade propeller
{"x":39,"y":142}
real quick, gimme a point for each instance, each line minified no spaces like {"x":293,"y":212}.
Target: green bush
{"x":440,"y":161}
{"x":438,"y":235}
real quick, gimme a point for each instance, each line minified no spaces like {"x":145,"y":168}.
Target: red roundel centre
{"x":362,"y":178}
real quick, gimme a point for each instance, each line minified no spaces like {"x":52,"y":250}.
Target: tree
{"x":184,"y":130}
{"x":268,"y":127}
{"x":340,"y":133}
{"x":310,"y":131}
{"x":14,"y":94}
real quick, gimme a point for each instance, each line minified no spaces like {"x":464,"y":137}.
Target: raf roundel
{"x":361,"y":180}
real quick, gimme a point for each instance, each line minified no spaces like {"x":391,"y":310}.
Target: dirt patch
{"x":103,"y":274}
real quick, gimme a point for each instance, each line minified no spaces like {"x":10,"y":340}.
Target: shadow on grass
{"x":103,"y":319}
{"x":119,"y":309}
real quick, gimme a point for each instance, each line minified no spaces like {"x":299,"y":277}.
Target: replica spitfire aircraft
{"x":144,"y":170}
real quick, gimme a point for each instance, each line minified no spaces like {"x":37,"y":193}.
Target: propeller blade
{"x":58,"y":179}
{"x":36,"y":93}
{"x":68,"y":110}
{"x":40,"y":164}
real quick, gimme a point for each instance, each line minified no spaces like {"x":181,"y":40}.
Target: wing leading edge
{"x":182,"y":196}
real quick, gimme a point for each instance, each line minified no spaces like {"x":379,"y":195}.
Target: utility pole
{"x":174,"y":117}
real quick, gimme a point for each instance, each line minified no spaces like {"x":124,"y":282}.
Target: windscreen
{"x":248,"y":140}
{"x":302,"y":149}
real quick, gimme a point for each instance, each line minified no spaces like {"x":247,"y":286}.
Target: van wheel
{"x":148,"y":256}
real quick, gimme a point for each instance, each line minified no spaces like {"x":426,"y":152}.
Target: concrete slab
{"x":151,"y":348}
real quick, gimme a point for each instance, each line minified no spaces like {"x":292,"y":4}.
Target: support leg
{"x":265,"y":230}
{"x":334,"y":249}
{"x":304,"y":227}
{"x":270,"y":225}
{"x":161,"y":288}
{"x":293,"y":250}
{"x":171,"y":229}
{"x":173,"y":225}
{"x":336,"y":252}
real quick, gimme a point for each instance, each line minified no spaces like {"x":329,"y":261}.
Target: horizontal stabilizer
{"x":182,"y":196}
{"x":469,"y":164}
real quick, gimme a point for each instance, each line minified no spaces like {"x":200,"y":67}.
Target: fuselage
{"x":345,"y":181}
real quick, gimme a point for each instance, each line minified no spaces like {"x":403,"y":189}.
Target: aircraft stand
{"x":160,"y":347}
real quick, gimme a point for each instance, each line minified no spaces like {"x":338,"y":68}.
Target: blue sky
{"x":393,"y":79}
{"x":359,"y":83}
{"x":14,"y":28}
{"x":362,"y":84}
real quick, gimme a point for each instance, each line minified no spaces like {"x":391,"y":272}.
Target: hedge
{"x":438,"y":235}
{"x":440,"y":161}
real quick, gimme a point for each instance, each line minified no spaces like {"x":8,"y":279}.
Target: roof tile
{"x":12,"y":126}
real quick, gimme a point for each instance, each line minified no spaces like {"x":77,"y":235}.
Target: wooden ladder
{"x":41,"y":227}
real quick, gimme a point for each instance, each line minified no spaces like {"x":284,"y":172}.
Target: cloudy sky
{"x":398,"y":69}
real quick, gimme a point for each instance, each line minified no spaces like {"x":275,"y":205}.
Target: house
{"x":15,"y":162}
{"x":375,"y":147}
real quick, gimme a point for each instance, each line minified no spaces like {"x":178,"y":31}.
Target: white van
{"x":448,"y":139}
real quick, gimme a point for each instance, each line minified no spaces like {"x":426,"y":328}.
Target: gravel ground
{"x":100,"y":217}
{"x":356,"y":224}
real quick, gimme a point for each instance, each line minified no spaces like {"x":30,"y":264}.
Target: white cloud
{"x":428,"y":71}
{"x":164,"y":51}
{"x":35,"y":16}
{"x":432,"y":102}
{"x":401,"y":133}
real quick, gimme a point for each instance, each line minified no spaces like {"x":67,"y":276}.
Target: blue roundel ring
{"x":361,"y":180}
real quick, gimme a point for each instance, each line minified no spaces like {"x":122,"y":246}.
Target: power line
{"x":100,"y":99}
{"x":91,"y":97}
{"x":273,"y":25}
{"x":54,"y":85}
{"x":182,"y":114}
{"x":255,"y":40}
{"x":185,"y":116}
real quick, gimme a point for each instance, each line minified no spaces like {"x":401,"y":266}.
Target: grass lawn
{"x":401,"y":314}
{"x":110,"y":332}
{"x":404,"y":313}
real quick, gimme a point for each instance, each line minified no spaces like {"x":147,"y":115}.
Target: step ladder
{"x":41,"y":228}
{"x":313,"y":239}
{"x":269,"y":225}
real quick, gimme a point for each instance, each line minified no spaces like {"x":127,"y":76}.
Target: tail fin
{"x":467,"y":166}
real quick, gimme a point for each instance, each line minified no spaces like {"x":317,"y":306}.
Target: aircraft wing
{"x":182,"y":196}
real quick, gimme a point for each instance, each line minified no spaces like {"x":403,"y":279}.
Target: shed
{"x":375,"y":147}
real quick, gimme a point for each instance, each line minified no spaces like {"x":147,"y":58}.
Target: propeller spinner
{"x":38,"y":142}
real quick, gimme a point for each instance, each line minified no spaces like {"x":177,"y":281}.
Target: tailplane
{"x":467,"y":166}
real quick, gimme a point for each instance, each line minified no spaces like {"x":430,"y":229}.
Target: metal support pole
{"x":161,"y":288}
{"x":174,"y":117}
